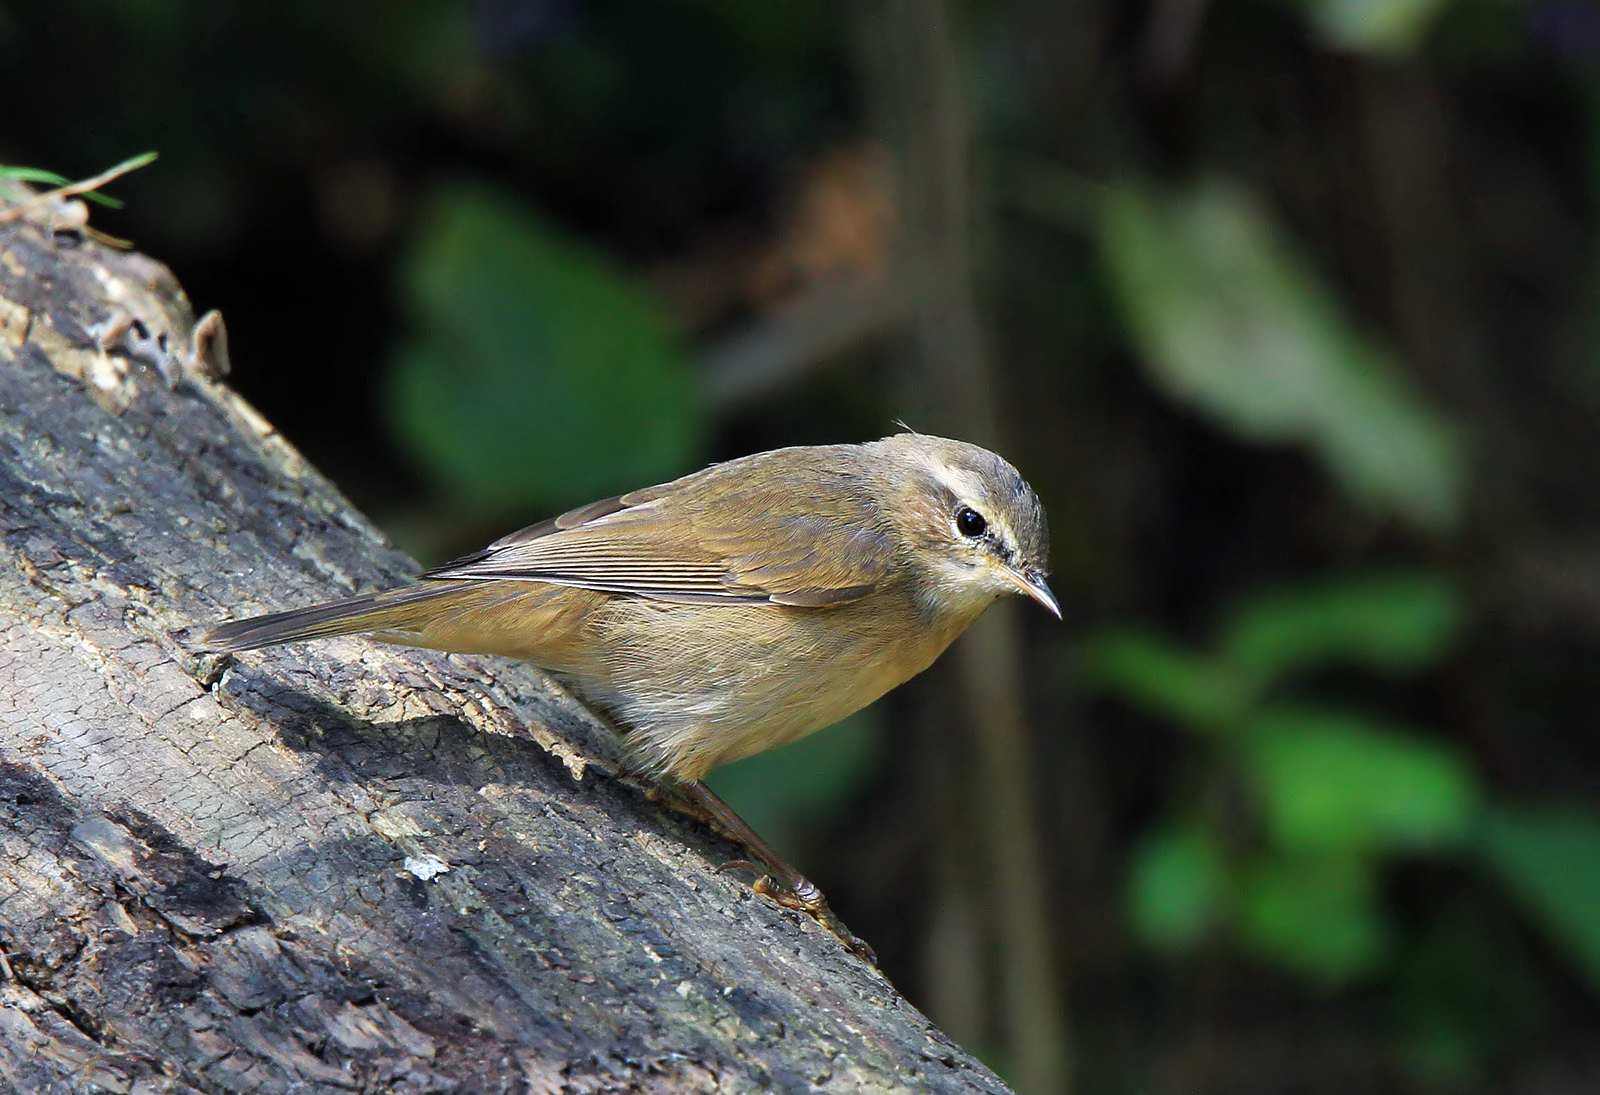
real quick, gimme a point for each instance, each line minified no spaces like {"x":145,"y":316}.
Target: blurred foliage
{"x":1327,"y":794}
{"x":528,"y":348}
{"x":1314,"y":914}
{"x":1332,"y":782}
{"x":1229,"y":319}
{"x":1302,"y":807}
{"x":1388,"y":27}
{"x":1179,"y":885}
{"x":1389,"y":623}
{"x":1550,"y":858}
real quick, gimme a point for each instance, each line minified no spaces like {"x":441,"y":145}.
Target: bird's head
{"x":973,"y":529}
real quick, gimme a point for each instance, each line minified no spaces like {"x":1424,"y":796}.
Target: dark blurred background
{"x":1286,"y":307}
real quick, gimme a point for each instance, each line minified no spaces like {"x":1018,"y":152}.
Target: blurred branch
{"x":1169,"y":40}
{"x":806,"y":333}
{"x":955,"y":955}
{"x":921,"y":83}
{"x":1548,"y":585}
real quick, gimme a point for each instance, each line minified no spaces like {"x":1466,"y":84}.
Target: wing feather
{"x":795,"y":527}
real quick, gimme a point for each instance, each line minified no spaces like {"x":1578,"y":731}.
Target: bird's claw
{"x":806,"y":898}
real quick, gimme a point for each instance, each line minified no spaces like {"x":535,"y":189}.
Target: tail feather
{"x":391,"y":610}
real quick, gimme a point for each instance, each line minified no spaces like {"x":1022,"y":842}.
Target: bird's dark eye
{"x":969,"y":522}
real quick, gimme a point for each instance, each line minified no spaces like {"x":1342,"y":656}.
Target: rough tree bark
{"x":337,"y":866}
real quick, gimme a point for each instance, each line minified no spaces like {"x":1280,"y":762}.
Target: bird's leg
{"x":785,"y":885}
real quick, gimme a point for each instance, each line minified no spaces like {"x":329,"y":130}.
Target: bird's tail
{"x":394,"y":610}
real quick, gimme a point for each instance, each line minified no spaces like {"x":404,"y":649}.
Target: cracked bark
{"x":338,"y":866}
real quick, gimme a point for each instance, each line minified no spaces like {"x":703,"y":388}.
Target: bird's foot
{"x":803,"y":895}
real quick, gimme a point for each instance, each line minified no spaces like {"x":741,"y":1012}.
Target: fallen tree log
{"x":336,"y":866}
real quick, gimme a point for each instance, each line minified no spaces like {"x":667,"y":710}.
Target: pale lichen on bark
{"x":340,"y":866}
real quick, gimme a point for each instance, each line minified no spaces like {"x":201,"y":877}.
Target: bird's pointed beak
{"x":1031,"y":584}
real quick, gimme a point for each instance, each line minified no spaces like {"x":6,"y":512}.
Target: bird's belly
{"x":699,"y":686}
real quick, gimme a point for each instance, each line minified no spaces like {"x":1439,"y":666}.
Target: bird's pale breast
{"x":698,"y":685}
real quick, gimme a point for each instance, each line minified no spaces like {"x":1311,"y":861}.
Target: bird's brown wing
{"x":801,"y":529}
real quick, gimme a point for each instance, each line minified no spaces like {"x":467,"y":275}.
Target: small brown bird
{"x":734,"y":610}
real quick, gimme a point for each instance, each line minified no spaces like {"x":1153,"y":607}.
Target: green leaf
{"x":52,"y":179}
{"x":538,"y":374}
{"x":1178,"y":887}
{"x":1386,"y":27}
{"x":1317,"y":916}
{"x":1549,"y":857}
{"x":1335,"y":781}
{"x":1229,"y":319}
{"x":1394,"y":623}
{"x":33,"y":175}
{"x":1163,"y":679}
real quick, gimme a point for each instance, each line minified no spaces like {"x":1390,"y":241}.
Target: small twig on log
{"x":72,"y":190}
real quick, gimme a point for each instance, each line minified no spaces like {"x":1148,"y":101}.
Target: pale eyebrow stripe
{"x":947,"y":477}
{"x":962,"y":488}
